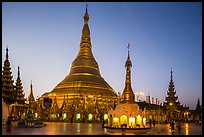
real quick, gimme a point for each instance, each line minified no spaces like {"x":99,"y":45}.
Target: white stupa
{"x":127,"y":113}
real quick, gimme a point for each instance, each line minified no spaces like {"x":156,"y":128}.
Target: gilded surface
{"x":84,"y":77}
{"x":128,"y":95}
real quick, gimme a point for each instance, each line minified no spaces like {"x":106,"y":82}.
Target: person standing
{"x":103,"y":122}
{"x":71,"y":120}
{"x":111,"y":121}
{"x":154,"y":122}
{"x":172,"y":126}
{"x":8,"y":125}
{"x":179,"y":126}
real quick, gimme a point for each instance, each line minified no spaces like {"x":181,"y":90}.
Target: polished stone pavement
{"x":58,"y":128}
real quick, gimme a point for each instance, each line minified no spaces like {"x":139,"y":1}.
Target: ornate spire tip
{"x":128,"y":49}
{"x":128,"y":46}
{"x":86,"y":6}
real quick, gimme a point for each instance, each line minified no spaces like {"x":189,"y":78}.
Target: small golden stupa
{"x":127,"y":113}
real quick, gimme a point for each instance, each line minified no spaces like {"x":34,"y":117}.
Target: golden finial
{"x":171,"y":74}
{"x":18,"y":71}
{"x":128,"y":46}
{"x":86,"y":15}
{"x":128,"y":49}
{"x":7,"y":52}
{"x":31,"y":84}
{"x":86,"y":6}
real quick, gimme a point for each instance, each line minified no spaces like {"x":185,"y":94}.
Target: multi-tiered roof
{"x":20,"y":97}
{"x":8,"y":91}
{"x":171,"y":99}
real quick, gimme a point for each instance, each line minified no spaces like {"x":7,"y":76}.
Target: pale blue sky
{"x":44,"y":38}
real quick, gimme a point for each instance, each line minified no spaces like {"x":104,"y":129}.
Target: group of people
{"x":154,"y":122}
{"x":172,"y":125}
{"x":178,"y":126}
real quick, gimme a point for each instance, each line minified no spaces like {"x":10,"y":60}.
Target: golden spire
{"x":128,"y":50}
{"x":85,"y":38}
{"x":86,"y":15}
{"x":84,"y":75}
{"x":171,"y":75}
{"x":31,"y":97}
{"x":128,"y":65}
{"x":85,"y":56}
{"x":128,"y":95}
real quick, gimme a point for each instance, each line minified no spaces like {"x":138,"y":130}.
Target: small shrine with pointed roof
{"x":175,"y":110}
{"x":127,"y":113}
{"x":31,"y":98}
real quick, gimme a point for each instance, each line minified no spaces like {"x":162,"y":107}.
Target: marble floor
{"x":59,"y":128}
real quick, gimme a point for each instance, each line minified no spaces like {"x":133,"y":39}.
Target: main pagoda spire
{"x":85,"y":44}
{"x":19,"y":90}
{"x":84,"y":75}
{"x":85,"y":62}
{"x":8,"y":92}
{"x":128,"y":94}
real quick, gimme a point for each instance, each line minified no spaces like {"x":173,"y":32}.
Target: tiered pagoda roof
{"x":172,"y":99}
{"x":8,"y":91}
{"x":20,"y":98}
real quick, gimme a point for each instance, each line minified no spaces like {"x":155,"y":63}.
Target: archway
{"x":90,"y":117}
{"x":123,"y":120}
{"x":54,"y":116}
{"x":139,"y":120}
{"x":23,"y":116}
{"x":78,"y":116}
{"x":131,"y":122}
{"x":105,"y":117}
{"x":36,"y":115}
{"x":64,"y":116}
{"x":115,"y":122}
{"x":144,"y":121}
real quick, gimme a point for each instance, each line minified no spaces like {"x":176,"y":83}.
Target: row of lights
{"x":51,"y":94}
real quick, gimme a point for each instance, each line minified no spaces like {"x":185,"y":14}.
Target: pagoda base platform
{"x":127,"y":131}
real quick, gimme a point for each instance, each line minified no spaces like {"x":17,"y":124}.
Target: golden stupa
{"x":84,"y":79}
